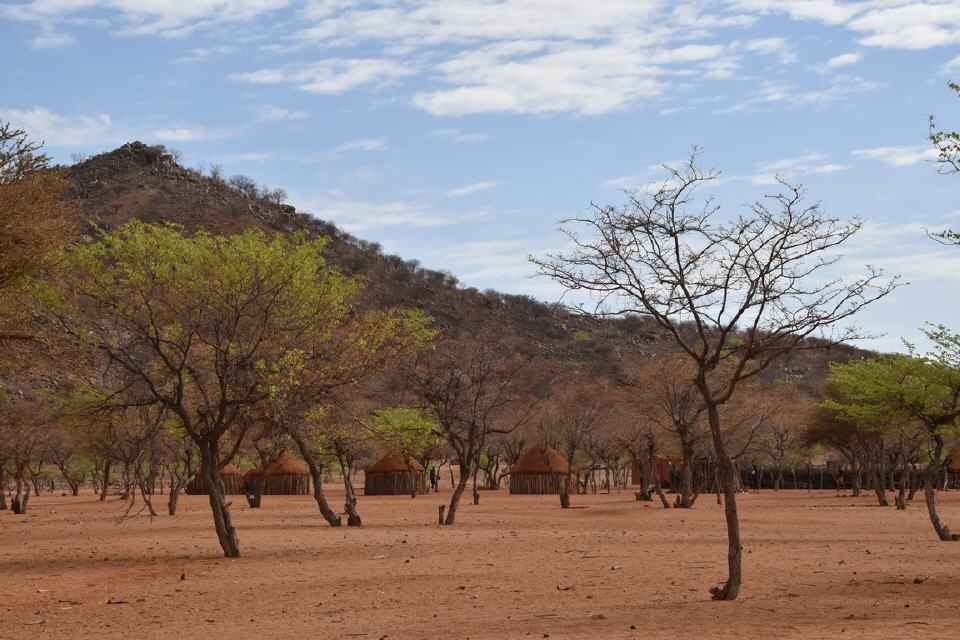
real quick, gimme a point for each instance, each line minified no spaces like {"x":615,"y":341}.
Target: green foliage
{"x":580,"y":336}
{"x":207,"y":323}
{"x":409,"y":430}
{"x":887,"y":391}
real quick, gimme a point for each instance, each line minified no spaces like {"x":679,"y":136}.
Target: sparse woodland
{"x":145,"y":351}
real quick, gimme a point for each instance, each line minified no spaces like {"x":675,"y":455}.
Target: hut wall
{"x":535,"y":483}
{"x":394,"y":483}
{"x":287,"y":484}
{"x":232,"y":485}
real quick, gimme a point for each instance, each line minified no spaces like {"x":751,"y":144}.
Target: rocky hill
{"x":137,"y":181}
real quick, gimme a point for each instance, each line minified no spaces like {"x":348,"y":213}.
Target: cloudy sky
{"x":458,"y":132}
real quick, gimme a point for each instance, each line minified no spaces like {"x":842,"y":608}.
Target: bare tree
{"x":733,"y":295}
{"x":475,"y":389}
{"x":570,"y":420}
{"x":678,"y":409}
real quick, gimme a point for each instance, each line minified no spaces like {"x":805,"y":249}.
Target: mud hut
{"x":231,"y":476}
{"x":286,"y":478}
{"x":953,"y":460}
{"x":953,"y":468}
{"x":538,"y":471}
{"x":390,"y":476}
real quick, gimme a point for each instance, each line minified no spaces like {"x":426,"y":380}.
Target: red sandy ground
{"x":816,"y":566}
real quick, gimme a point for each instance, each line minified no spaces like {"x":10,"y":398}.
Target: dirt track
{"x":816,"y":566}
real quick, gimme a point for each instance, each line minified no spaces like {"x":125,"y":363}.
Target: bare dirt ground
{"x":816,"y":566}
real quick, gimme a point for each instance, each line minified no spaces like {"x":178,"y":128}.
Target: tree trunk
{"x":879,"y":488}
{"x":172,"y":500}
{"x":930,"y":479}
{"x":565,"y":490}
{"x":476,"y":492}
{"x":127,"y":479}
{"x":856,"y":482}
{"x":22,"y":496}
{"x":731,"y":587}
{"x":914,"y":485}
{"x":457,"y":492}
{"x":316,"y":475}
{"x":255,"y":499}
{"x":901,"y":500}
{"x":686,"y":478}
{"x":718,"y":486}
{"x":350,"y":506}
{"x":660,"y":494}
{"x":218,"y":505}
{"x":146,"y":492}
{"x":3,"y":488}
{"x":105,"y":482}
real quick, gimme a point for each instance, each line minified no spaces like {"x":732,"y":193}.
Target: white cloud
{"x":499,"y":258}
{"x":357,"y":215}
{"x":773,"y":46}
{"x":366,"y":144}
{"x":270,"y":113}
{"x":893,"y":24}
{"x":189,"y":134}
{"x":168,"y":18}
{"x":899,"y":156}
{"x":902,"y":248}
{"x":951,"y":66}
{"x":795,"y":167}
{"x":99,"y":130}
{"x":536,"y":56}
{"x":49,"y":39}
{"x":514,"y":56}
{"x":771,"y":93}
{"x":470,"y":189}
{"x":59,"y":130}
{"x":205,"y":53}
{"x":457,"y":135}
{"x":844,"y":60}
{"x":330,"y":77}
{"x":625,"y":182}
{"x":250,"y":156}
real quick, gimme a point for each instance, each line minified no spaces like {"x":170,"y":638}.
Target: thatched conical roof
{"x":282,"y":467}
{"x":393,"y":462}
{"x":536,"y":459}
{"x":228,"y":470}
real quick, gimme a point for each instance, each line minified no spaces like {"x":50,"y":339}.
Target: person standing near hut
{"x":755,"y":479}
{"x":434,"y":479}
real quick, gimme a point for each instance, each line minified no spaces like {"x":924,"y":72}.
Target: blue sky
{"x":459,"y":132}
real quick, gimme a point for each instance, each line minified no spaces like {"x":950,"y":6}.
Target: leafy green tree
{"x":314,"y":404}
{"x":199,"y":325}
{"x":411,"y":431}
{"x":893,"y":389}
{"x":34,"y":219}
